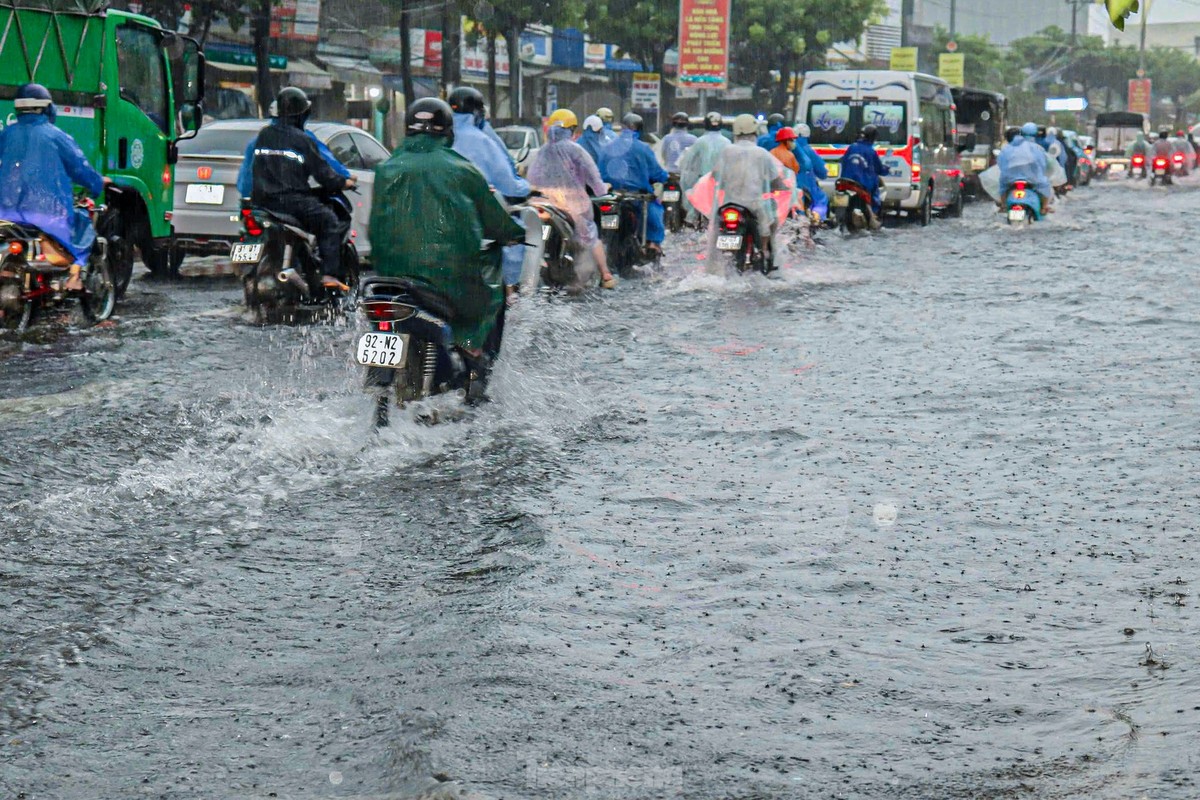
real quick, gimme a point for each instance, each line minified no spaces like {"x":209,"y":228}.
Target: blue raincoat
{"x":862,"y":164}
{"x":767,"y":140}
{"x":245,"y":179}
{"x":488,"y":154}
{"x":39,"y":166}
{"x":672,"y":147}
{"x":592,"y":142}
{"x":1024,"y":160}
{"x":809,"y":180}
{"x":487,"y":128}
{"x":628,"y":163}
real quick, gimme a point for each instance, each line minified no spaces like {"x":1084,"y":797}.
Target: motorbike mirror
{"x":523,"y":153}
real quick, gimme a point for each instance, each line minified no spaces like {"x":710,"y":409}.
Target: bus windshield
{"x":837,"y":122}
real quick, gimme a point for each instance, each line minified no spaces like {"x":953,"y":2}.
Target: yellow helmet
{"x":605,"y":114}
{"x":564,"y":117}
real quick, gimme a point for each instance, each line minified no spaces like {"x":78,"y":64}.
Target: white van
{"x":917,"y":133}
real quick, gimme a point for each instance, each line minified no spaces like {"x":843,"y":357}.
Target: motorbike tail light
{"x":1160,"y":162}
{"x":606,"y":208}
{"x":16,"y":248}
{"x":731,"y":218}
{"x":1178,"y":158}
{"x":1139,"y":161}
{"x":385,"y":311}
{"x":252,"y":226}
{"x":1019,"y":186}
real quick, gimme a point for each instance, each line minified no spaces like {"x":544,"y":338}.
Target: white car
{"x":522,"y":142}
{"x":207,"y":201}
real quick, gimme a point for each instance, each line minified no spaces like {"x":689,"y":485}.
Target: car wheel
{"x":955,"y":209}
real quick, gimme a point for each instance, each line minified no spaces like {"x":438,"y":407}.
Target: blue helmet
{"x":1029,"y":129}
{"x":33,"y":98}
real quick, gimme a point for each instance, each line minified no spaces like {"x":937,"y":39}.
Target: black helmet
{"x":1011,"y":132}
{"x":632,"y":122}
{"x":1041,"y":131}
{"x":870,"y":133}
{"x":467,"y":100}
{"x":775,"y":119}
{"x":1164,"y":134}
{"x":292,"y":102}
{"x":429,"y":116}
{"x":712,"y":121}
{"x":33,"y":98}
{"x":680,"y":119}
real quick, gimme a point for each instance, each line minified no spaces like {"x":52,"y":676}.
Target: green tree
{"x":1176,"y":76}
{"x":645,"y":29}
{"x":776,"y":39}
{"x":985,"y":65}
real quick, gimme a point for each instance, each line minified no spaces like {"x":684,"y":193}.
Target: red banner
{"x":704,"y":43}
{"x":1140,"y":96}
{"x":433,"y":49}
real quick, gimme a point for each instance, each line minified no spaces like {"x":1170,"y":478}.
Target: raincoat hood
{"x":558,"y":133}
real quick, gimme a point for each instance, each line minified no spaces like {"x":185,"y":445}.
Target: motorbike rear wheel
{"x":99,"y":296}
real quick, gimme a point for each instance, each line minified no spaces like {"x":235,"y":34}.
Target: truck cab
{"x":126,"y":90}
{"x":1115,"y":132}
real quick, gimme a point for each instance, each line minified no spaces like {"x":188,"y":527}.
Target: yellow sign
{"x":904,"y":59}
{"x":951,"y":68}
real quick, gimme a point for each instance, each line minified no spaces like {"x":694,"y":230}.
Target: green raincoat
{"x":431,"y":211}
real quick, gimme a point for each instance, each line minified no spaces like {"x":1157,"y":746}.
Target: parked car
{"x":914,"y":115}
{"x":207,"y":202}
{"x":522,"y":142}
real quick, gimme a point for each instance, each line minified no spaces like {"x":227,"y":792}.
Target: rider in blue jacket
{"x":810,"y":180}
{"x":592,"y":139}
{"x":245,"y":178}
{"x":863,"y":165}
{"x":39,"y":166}
{"x":491,"y":158}
{"x":628,"y":163}
{"x":774,"y":126}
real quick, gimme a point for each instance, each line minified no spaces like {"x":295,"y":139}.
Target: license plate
{"x":833,"y":169}
{"x":1016,"y":214}
{"x":979,"y":164}
{"x":245,"y":253}
{"x":1160,"y":171}
{"x":729,"y":242}
{"x":1117,"y":167}
{"x":671,"y":196}
{"x":386,"y":350}
{"x":841,"y":200}
{"x":210,"y":194}
{"x":545,"y":233}
{"x":610,"y":222}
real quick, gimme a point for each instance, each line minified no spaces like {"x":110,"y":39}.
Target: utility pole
{"x":1142,"y":46}
{"x":953,"y":18}
{"x":1075,"y":5}
{"x":906,"y":22}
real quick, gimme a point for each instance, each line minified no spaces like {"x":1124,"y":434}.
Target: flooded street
{"x":917,"y":520}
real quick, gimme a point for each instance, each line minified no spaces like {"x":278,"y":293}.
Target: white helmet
{"x":745,"y":125}
{"x":593,"y":123}
{"x":803,"y":130}
{"x":1052,"y":132}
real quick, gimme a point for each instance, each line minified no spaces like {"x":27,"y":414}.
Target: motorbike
{"x":558,"y":259}
{"x":1137,"y":166}
{"x":738,"y":234}
{"x":34,"y":269}
{"x":672,"y":200}
{"x":409,"y":350}
{"x":1022,"y":204}
{"x":281,"y":271}
{"x":1161,"y":169}
{"x":852,"y":206}
{"x":621,"y":218}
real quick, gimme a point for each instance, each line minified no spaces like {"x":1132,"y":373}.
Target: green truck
{"x":127,"y":90}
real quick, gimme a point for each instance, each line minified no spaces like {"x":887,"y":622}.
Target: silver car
{"x":207,"y":202}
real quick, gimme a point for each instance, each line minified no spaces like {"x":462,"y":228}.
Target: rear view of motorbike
{"x":672,"y":200}
{"x":1161,"y":171}
{"x":35,"y":272}
{"x":1021,"y":205}
{"x":852,"y":206}
{"x":281,"y":270}
{"x":559,"y":256}
{"x":737,"y":234}
{"x":408,"y":350}
{"x":622,"y":219}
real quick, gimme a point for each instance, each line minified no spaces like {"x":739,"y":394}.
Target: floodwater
{"x":917,"y":520}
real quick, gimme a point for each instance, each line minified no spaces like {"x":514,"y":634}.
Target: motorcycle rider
{"x":1139,"y":147}
{"x":628,"y":163}
{"x":39,"y":165}
{"x":1068,"y":149}
{"x":787,"y":154}
{"x":810,"y":180}
{"x":432,"y":210}
{"x":674,"y":143}
{"x":1023,"y":159}
{"x":699,"y":159}
{"x":1162,"y":149}
{"x":745,"y":174}
{"x":285,"y":158}
{"x":563,"y":172}
{"x":590,"y":140}
{"x":774,"y":125}
{"x":862,"y":165}
{"x":473,"y":143}
{"x":245,"y":178}
{"x":607,"y":134}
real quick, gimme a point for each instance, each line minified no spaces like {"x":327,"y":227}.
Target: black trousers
{"x":321,"y":221}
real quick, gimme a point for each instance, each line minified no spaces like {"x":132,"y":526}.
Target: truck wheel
{"x":120,"y":249}
{"x":955,"y":209}
{"x":157,"y":259}
{"x":927,"y":209}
